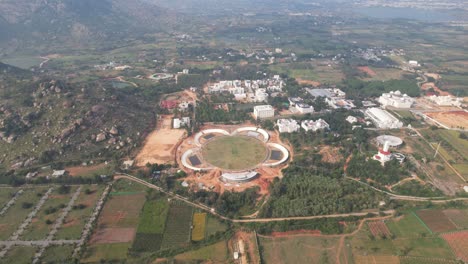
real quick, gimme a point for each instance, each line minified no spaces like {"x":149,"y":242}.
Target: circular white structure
{"x":284,"y":152}
{"x":392,"y":140}
{"x":265,"y":134}
{"x":239,"y":176}
{"x":186,"y":164}
{"x":209,"y":131}
{"x":193,"y":158}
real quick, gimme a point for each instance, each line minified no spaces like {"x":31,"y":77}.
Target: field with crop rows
{"x":436,"y":220}
{"x":379,"y":229}
{"x":458,"y":241}
{"x":199,"y":226}
{"x":179,"y":219}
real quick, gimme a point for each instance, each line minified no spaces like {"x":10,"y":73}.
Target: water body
{"x":407,"y":13}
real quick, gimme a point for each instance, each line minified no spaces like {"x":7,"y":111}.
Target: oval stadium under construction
{"x":237,"y":154}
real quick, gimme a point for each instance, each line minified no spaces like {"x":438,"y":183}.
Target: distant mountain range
{"x":78,"y":20}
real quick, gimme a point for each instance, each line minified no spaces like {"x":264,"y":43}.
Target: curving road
{"x":257,"y":220}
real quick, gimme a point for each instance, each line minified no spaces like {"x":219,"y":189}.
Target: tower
{"x":384,"y":154}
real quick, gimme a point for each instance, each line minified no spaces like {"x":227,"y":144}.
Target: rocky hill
{"x":77,"y":21}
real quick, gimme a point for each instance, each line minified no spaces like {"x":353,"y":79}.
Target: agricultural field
{"x":436,"y":220}
{"x":379,"y":229}
{"x":58,"y":254}
{"x":407,"y":225}
{"x":213,"y":226}
{"x":152,"y":224}
{"x":97,"y":252}
{"x":383,"y":259}
{"x":42,"y":224}
{"x":19,"y":254}
{"x":458,"y":217}
{"x":117,"y":224}
{"x":23,"y":62}
{"x":198,"y":226}
{"x":299,"y":249}
{"x":77,"y":218}
{"x":6,"y":194}
{"x":423,"y":260}
{"x":13,"y":218}
{"x":216,"y":253}
{"x":179,"y":219}
{"x":458,"y":241}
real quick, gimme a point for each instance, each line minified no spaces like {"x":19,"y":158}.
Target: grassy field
{"x":199,"y":226}
{"x":19,"y":254}
{"x":216,"y":253}
{"x":177,"y":232}
{"x":461,"y":145}
{"x":77,"y":218}
{"x":213,"y":225}
{"x":16,"y":214}
{"x":299,"y":250}
{"x":5,"y":195}
{"x":50,"y":211}
{"x":152,"y":225}
{"x":58,"y":254}
{"x":234,"y":153}
{"x":116,"y":251}
{"x":153,"y":219}
{"x":23,"y":62}
{"x":407,"y":226}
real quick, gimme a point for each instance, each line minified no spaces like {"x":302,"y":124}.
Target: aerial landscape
{"x":216,"y":131}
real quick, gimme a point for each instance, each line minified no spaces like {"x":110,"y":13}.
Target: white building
{"x":304,"y":108}
{"x":178,"y":123}
{"x":446,"y":100}
{"x":351,"y":119}
{"x":308,"y":125}
{"x":263,"y":111}
{"x":413,"y":63}
{"x":396,"y":99}
{"x":261,"y":95}
{"x":382,"y":118}
{"x":287,"y":125}
{"x":384,"y":154}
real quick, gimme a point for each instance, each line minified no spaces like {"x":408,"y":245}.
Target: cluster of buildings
{"x":446,"y":100}
{"x":291,"y":125}
{"x":335,"y":98}
{"x":250,"y":90}
{"x":396,"y":99}
{"x":297,"y":104}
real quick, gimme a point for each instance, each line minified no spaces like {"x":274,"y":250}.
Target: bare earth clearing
{"x":161,"y":144}
{"x":451,"y":119}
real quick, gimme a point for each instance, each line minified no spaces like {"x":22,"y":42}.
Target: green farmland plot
{"x":178,"y":223}
{"x":19,"y":254}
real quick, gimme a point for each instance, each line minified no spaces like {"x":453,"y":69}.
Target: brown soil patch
{"x":84,"y":170}
{"x":113,"y":235}
{"x":161,"y":144}
{"x":378,"y":228}
{"x":377,"y":259}
{"x":429,"y":85}
{"x":330,"y":154}
{"x":121,"y":211}
{"x":71,"y":222}
{"x":458,"y":241}
{"x":367,"y":70}
{"x":452,"y":119}
{"x":307,"y":82}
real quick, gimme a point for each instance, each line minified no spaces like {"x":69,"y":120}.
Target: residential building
{"x":264,"y":111}
{"x":304,"y":108}
{"x":309,"y":125}
{"x":178,"y":123}
{"x":287,"y":125}
{"x":383,"y":119}
{"x":351,"y":119}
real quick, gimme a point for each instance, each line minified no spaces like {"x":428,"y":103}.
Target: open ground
{"x":161,"y":144}
{"x":451,"y":119}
